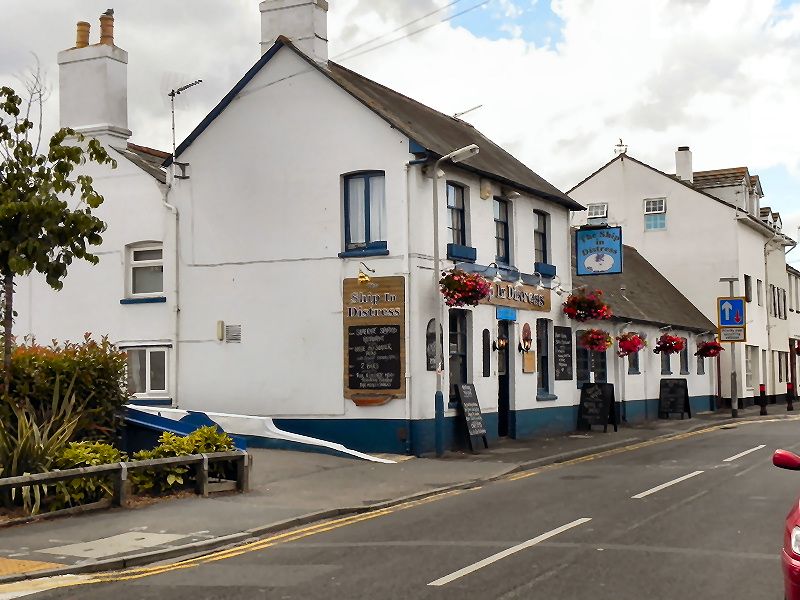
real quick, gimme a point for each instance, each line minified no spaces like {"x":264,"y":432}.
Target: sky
{"x":558,"y":82}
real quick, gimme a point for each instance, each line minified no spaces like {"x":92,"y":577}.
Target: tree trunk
{"x":8,"y":322}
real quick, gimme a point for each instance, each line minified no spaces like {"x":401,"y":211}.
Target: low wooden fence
{"x":118,"y":473}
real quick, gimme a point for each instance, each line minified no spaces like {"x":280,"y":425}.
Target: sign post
{"x":732,"y":324}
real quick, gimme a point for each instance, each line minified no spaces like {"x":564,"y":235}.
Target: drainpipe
{"x":769,"y":327}
{"x":407,"y":273}
{"x":165,"y":190}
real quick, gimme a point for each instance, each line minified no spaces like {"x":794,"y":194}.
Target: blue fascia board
{"x":414,"y":147}
{"x":148,"y":300}
{"x":223,"y":104}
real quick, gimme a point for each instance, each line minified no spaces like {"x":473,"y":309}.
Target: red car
{"x":790,"y":556}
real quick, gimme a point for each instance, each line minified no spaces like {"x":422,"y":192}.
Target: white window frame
{"x":590,"y":210}
{"x":655,"y":211}
{"x":131,"y":263}
{"x":148,"y":350}
{"x":655,"y":206}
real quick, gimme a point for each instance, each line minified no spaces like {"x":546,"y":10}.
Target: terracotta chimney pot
{"x":83,"y":35}
{"x":107,"y":30}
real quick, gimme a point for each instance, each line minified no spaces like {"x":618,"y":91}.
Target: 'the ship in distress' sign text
{"x":374,"y":340}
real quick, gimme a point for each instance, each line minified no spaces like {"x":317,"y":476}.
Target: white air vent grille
{"x":233,"y":334}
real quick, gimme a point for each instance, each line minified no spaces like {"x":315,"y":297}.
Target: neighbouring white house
{"x":644,"y":302}
{"x":794,"y":323}
{"x":282,"y":265}
{"x":696,"y":228}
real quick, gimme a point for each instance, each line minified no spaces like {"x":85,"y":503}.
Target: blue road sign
{"x":731,"y":312}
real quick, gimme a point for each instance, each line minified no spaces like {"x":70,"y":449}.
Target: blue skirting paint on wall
{"x":540,"y":421}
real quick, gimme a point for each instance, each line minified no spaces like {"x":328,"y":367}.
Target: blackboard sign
{"x":471,"y":411}
{"x":562,"y":344}
{"x":374,"y":357}
{"x":673,"y":397}
{"x":597,"y":406}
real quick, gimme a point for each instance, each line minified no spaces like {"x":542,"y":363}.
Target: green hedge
{"x":96,"y":371}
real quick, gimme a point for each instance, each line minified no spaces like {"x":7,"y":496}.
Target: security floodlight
{"x":462,"y":154}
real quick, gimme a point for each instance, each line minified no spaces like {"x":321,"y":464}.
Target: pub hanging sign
{"x":374,"y":340}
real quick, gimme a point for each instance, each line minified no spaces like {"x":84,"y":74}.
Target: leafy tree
{"x":39,"y":230}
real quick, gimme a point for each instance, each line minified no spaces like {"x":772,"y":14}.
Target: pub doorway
{"x":503,"y":378}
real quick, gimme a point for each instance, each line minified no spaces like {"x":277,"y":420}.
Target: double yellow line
{"x":282,"y":538}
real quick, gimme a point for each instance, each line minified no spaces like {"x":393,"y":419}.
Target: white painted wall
{"x":703,"y":241}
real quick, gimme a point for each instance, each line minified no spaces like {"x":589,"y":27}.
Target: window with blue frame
{"x":456,"y":222}
{"x":540,"y":226}
{"x":502,"y":253}
{"x":364,"y":210}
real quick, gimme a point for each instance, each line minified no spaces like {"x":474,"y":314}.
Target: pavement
{"x":292,"y":489}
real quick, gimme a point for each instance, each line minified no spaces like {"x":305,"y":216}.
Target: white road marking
{"x":745,"y":453}
{"x":658,"y":488}
{"x":513,"y":550}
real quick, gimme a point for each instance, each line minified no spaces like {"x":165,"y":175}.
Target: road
{"x":698,"y":517}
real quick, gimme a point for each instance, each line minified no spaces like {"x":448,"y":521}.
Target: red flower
{"x":669,"y":344}
{"x":460,"y":288}
{"x":596,"y":340}
{"x":630,"y":343}
{"x":709,"y":349}
{"x":584,"y":306}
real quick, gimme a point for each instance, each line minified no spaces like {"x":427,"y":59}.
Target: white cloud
{"x":717,"y":75}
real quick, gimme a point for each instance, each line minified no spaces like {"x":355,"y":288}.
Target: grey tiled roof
{"x":648,"y":296}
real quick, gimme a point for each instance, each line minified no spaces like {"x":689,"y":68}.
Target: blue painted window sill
{"x":371,"y":249}
{"x":149,"y":300}
{"x":457,"y":252}
{"x":540,"y":397}
{"x":150,"y":401}
{"x":546,"y":270}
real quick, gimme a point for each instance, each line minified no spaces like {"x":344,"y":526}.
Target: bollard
{"x":789,"y":396}
{"x":762,"y":399}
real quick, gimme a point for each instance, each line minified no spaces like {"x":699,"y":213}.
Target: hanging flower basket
{"x":709,"y":349}
{"x":595,"y":340}
{"x":584,"y":306}
{"x":630,"y":343}
{"x":463,"y":289}
{"x":669,"y":344}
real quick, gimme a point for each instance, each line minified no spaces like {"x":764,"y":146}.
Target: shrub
{"x":157,"y":481}
{"x":75,"y":492}
{"x":29,"y":443}
{"x":97,"y":370}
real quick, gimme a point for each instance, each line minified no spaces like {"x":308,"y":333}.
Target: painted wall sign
{"x":374,"y":340}
{"x":562,"y":345}
{"x":598,"y":251}
{"x":525,"y":297}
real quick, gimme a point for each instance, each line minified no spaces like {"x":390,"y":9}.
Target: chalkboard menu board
{"x":374,"y":339}
{"x":673,"y":397}
{"x":562,"y":345}
{"x":597,"y":406}
{"x":471,"y":411}
{"x":374,"y":357}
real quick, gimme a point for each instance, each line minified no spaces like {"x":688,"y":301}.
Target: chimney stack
{"x":107,"y":27}
{"x":93,"y":84}
{"x":82,"y":39}
{"x":304,"y":22}
{"x":683,"y":164}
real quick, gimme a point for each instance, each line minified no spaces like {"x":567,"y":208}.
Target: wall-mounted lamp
{"x":501,"y":343}
{"x":525,"y":346}
{"x":363,"y":277}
